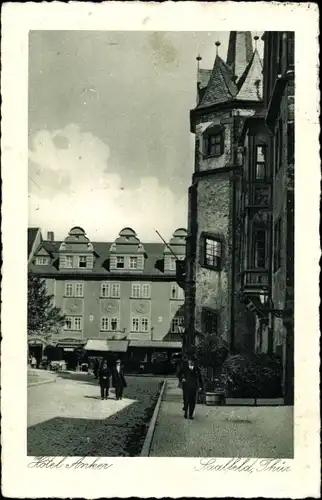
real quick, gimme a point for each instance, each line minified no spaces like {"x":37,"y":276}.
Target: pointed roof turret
{"x":240,"y":51}
{"x":221,"y":87}
{"x":251,"y":83}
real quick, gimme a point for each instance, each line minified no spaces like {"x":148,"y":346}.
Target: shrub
{"x":211,"y":353}
{"x":252,"y":376}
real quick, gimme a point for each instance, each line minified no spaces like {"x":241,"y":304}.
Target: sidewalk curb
{"x":34,"y":384}
{"x":145,"y":452}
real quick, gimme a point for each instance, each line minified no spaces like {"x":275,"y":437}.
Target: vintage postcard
{"x":160,"y":328}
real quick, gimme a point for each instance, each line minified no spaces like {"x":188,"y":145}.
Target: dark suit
{"x":191,"y":381}
{"x":104,"y":380}
{"x":118,"y":381}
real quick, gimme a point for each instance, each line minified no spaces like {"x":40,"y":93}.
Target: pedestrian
{"x":104,"y":379}
{"x":33,"y":362}
{"x":118,"y":379}
{"x":190,"y":377}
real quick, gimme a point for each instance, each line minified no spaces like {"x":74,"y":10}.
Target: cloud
{"x":74,"y":183}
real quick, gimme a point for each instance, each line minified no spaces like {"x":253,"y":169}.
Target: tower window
{"x":213,"y":144}
{"x":259,"y":249}
{"x":211,"y":252}
{"x":260,"y":169}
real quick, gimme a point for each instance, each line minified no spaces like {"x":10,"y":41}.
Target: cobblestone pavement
{"x":221,"y":431}
{"x":68,"y":418}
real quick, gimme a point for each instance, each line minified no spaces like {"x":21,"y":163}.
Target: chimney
{"x":50,"y":236}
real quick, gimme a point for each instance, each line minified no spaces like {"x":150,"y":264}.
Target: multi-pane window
{"x":133,"y":262}
{"x":42,"y":261}
{"x":109,"y":324}
{"x":277,"y":245}
{"x":69,"y":261}
{"x":259,"y":248}
{"x":105,"y":290}
{"x":68,"y":323}
{"x":177,"y":324}
{"x":77,"y":323}
{"x":144,"y":324}
{"x":114,"y":324}
{"x":82,"y":261}
{"x":260,"y":167}
{"x":73,"y":323}
{"x":120,"y":262}
{"x":212,"y":253}
{"x":176,"y":292}
{"x":209,"y":322}
{"x":105,"y":324}
{"x":115,"y":290}
{"x":135,"y":324}
{"x":146,"y":291}
{"x":68,"y":289}
{"x":79,"y":290}
{"x":213,"y":144}
{"x":136,"y":291}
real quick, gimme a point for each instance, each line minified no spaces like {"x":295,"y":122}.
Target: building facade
{"x":240,"y":246}
{"x":119,"y":297}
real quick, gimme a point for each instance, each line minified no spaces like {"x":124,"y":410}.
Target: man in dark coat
{"x":118,"y":379}
{"x":190,"y":377}
{"x":104,"y":379}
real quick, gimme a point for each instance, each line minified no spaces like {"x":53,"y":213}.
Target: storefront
{"x":71,"y":352}
{"x":36,"y":347}
{"x":107,"y":349}
{"x":156,"y":357}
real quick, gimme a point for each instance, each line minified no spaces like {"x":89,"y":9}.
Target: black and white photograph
{"x":161,"y":243}
{"x":164,"y":312}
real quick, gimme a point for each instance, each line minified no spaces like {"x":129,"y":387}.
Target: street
{"x":68,"y":417}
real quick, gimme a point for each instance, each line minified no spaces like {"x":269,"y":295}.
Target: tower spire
{"x":240,"y":51}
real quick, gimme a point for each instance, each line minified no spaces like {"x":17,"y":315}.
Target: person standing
{"x":118,"y":379}
{"x":104,"y":379}
{"x":33,"y":362}
{"x":190,"y":377}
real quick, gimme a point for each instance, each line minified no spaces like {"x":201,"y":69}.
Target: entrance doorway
{"x":36,"y":350}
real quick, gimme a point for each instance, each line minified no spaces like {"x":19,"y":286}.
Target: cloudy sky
{"x":109,"y":136}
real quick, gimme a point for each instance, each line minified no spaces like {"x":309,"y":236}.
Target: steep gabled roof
{"x":32,"y":233}
{"x":250,"y":85}
{"x":240,"y":50}
{"x":203,"y":77}
{"x":221,"y":87}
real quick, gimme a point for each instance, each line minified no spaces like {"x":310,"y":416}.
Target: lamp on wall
{"x":268,"y":305}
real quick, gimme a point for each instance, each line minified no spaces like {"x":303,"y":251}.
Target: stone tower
{"x":227,"y":94}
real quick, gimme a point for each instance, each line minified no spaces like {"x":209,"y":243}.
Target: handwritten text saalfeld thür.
{"x":247,"y":465}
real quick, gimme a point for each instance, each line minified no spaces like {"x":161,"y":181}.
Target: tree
{"x":43,"y":317}
{"x":212,"y":351}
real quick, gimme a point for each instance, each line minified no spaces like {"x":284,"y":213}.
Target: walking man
{"x":104,"y":379}
{"x":191,"y":380}
{"x":118,"y":379}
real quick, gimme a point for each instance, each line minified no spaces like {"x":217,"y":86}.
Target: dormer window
{"x":82,"y":261}
{"x":42,"y":261}
{"x":133,"y":262}
{"x":69,"y":261}
{"x":120,"y":262}
{"x":172,"y":263}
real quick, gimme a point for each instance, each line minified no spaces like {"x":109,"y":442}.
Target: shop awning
{"x":159,"y":344}
{"x":106,"y":345}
